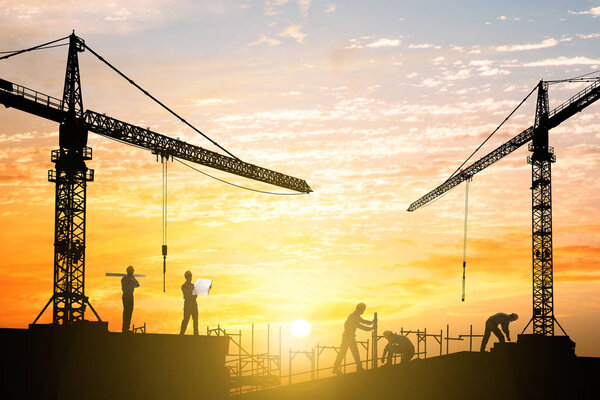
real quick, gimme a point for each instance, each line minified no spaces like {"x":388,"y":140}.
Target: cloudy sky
{"x":374,"y":103}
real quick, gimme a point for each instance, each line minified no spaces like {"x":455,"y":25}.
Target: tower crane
{"x":541,"y":158}
{"x":71,"y":173}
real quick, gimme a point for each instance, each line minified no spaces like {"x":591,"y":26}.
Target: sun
{"x":300,"y":328}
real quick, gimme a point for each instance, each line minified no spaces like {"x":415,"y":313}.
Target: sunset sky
{"x":373,"y":103}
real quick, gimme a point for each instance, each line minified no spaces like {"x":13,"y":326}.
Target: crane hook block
{"x":164,"y":250}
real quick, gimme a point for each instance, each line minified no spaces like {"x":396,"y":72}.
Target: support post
{"x":374,"y":346}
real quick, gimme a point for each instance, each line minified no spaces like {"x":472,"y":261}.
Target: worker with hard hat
{"x":398,"y":344}
{"x":190,"y":306}
{"x":353,"y":322}
{"x":128,"y":284}
{"x":491,"y":325}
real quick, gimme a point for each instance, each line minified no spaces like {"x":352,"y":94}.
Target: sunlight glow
{"x":300,"y":328}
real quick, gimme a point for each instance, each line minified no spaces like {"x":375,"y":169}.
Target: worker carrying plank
{"x":398,"y":344}
{"x":491,"y":325}
{"x":128,"y":284}
{"x":353,"y":322}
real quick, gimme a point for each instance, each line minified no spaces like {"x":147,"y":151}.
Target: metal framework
{"x":541,"y":218}
{"x":71,"y":174}
{"x":541,"y":160}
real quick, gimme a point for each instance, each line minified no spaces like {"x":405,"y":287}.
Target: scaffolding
{"x":252,"y":371}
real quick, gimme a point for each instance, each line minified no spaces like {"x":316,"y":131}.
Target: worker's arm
{"x":365,"y":321}
{"x":505,"y":330}
{"x":188,"y":291}
{"x":364,"y":327}
{"x":385,"y":351}
{"x":135,"y":282}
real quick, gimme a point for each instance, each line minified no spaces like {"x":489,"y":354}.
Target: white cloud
{"x":487,"y":71}
{"x":267,"y":40}
{"x":212,"y":102}
{"x":588,"y":36}
{"x":385,"y":43}
{"x":271,"y":6}
{"x":479,"y":63}
{"x":304,"y":5}
{"x":462,"y":73}
{"x":560,"y":61}
{"x":330,"y":8}
{"x":529,"y":46}
{"x":293,"y":31}
{"x":501,"y":18}
{"x":594,"y":12}
{"x":430,"y":82}
{"x":475,"y":50}
{"x":119,"y":15}
{"x":424,"y":46}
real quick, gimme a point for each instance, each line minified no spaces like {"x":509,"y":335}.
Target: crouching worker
{"x":491,"y":325}
{"x":398,"y":344}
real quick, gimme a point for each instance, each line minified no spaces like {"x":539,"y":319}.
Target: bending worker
{"x":491,"y":325}
{"x":128,"y":284}
{"x":353,"y":322}
{"x":398,"y":344}
{"x":190,"y":306}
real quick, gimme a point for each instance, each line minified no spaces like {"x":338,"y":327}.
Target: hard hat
{"x":130,"y":269}
{"x":188,"y":273}
{"x":387,"y":333}
{"x":361,"y":306}
{"x":514,"y":316}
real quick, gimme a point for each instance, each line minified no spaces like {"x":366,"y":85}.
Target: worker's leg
{"x":127,"y":311}
{"x":341,"y":354}
{"x":390,"y":354}
{"x":408,"y":355}
{"x":354,"y":349}
{"x":486,"y":335}
{"x":498,"y":334}
{"x":195,"y":318}
{"x":186,"y":318}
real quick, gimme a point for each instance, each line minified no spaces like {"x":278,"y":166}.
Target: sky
{"x":373,"y":103}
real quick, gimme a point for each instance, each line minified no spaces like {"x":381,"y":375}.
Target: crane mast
{"x":71,"y":175}
{"x":541,"y":160}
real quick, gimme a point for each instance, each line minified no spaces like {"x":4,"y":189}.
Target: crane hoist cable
{"x":465,"y":237}
{"x":157,"y":101}
{"x":165,"y":162}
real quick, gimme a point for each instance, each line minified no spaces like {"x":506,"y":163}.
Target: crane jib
{"x":575,"y":104}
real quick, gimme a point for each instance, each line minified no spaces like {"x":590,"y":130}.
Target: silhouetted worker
{"x":353,"y":322}
{"x":128,"y":284}
{"x":190,"y":306}
{"x":491,"y":325}
{"x":398,"y":344}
